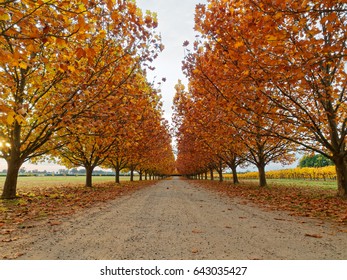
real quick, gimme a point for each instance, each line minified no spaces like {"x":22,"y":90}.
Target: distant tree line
{"x":316,"y":160}
{"x":62,"y":172}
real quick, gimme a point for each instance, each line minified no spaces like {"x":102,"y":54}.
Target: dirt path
{"x":175,"y":220}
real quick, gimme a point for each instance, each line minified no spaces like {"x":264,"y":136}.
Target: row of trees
{"x":265,"y":78}
{"x":73,"y":86}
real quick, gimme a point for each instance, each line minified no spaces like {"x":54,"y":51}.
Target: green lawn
{"x":50,"y":181}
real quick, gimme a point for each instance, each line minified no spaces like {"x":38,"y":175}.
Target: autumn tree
{"x":158,"y":159}
{"x":142,"y":141}
{"x":97,"y":135}
{"x":33,"y":63}
{"x":89,"y":140}
{"x":195,"y":156}
{"x":210,"y":121}
{"x":152,"y":150}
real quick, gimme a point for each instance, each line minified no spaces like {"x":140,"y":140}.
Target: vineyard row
{"x":308,"y":173}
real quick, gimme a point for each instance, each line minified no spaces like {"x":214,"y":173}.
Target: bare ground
{"x":177,"y":220}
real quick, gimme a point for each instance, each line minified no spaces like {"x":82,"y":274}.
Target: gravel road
{"x":176,"y":220}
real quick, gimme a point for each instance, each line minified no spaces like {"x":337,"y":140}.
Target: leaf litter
{"x":298,"y":201}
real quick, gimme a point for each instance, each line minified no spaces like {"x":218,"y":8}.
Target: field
{"x":56,"y":181}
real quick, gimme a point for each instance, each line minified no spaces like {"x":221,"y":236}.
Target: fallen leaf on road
{"x":55,"y":223}
{"x":7,"y":231}
{"x":15,"y":256}
{"x":194,"y":250}
{"x":314,"y":235}
{"x":9,"y":239}
{"x":197,"y":231}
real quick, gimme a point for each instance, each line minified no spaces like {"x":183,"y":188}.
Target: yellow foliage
{"x":310,"y":173}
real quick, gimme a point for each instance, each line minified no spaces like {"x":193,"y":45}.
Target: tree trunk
{"x":235,"y":178}
{"x":140,"y":173}
{"x":117,"y":175}
{"x":220,"y":173}
{"x":89,"y":176}
{"x":262,"y":175}
{"x":14,"y":162}
{"x":341,"y":174}
{"x":116,"y":167}
{"x":10,"y":186}
{"x":132,"y":175}
{"x":206,"y":178}
{"x":211,"y":174}
{"x":146,"y":176}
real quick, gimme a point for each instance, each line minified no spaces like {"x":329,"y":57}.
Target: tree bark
{"x":89,"y":176}
{"x":233,"y":166}
{"x":116,"y":167}
{"x":14,"y":162}
{"x":10,"y":186}
{"x":220,"y":173}
{"x":220,"y":170}
{"x":132,"y":175}
{"x":262,"y":175}
{"x":211,"y":174}
{"x":235,"y":178}
{"x":117,"y":177}
{"x":341,"y":174}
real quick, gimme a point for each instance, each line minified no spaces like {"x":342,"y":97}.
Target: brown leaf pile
{"x":49,"y":205}
{"x":299,"y":201}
